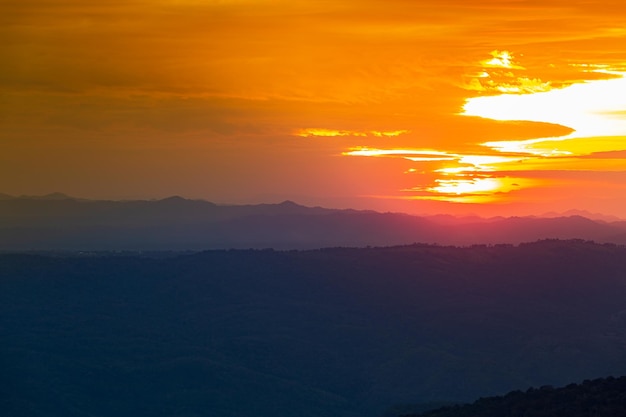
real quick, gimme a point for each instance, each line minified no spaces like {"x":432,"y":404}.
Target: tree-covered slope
{"x":332,"y":332}
{"x":603,"y":397}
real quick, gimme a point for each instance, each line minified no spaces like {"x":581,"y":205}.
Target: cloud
{"x":500,"y":59}
{"x":224,"y":74}
{"x":320,"y":132}
{"x":621,"y":154}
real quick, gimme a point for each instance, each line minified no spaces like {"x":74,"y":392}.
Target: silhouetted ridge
{"x":182,"y":202}
{"x":289,"y":203}
{"x":176,"y":223}
{"x":49,"y":197}
{"x":604,"y":397}
{"x":173,"y":199}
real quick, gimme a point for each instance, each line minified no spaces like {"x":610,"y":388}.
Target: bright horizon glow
{"x":473,"y":186}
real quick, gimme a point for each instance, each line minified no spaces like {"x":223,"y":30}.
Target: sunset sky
{"x":433,"y":106}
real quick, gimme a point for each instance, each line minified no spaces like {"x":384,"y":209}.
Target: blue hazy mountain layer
{"x":57,"y":223}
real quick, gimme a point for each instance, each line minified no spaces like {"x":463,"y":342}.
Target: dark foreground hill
{"x":59,"y":222}
{"x":597,"y":398}
{"x":333,"y":332}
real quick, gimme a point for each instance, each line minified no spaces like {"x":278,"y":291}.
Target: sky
{"x":435,"y":106}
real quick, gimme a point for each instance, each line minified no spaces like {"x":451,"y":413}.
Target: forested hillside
{"x":331,"y":332}
{"x":603,"y":397}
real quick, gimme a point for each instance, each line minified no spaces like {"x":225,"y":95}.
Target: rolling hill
{"x":342,"y":331}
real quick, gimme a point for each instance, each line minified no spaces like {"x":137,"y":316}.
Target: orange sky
{"x":455,"y":106}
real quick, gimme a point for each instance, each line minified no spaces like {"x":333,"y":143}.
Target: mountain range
{"x":60,"y":222}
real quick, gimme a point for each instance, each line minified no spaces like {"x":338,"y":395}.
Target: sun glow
{"x":467,"y":177}
{"x":593,"y":110}
{"x":473,"y":186}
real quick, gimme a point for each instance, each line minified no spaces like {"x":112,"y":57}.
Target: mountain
{"x":51,"y":196}
{"x":58,"y":222}
{"x":602,"y":397}
{"x":584,"y":213}
{"x":342,"y":332}
{"x":525,"y":229}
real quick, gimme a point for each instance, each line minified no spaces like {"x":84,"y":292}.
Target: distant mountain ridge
{"x":51,"y":196}
{"x":60,"y":222}
{"x":584,"y":213}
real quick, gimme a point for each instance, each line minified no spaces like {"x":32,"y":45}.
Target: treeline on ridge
{"x":603,"y":397}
